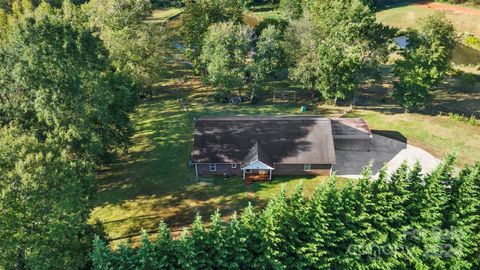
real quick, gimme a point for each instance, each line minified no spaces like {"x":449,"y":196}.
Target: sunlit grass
{"x":404,"y":16}
{"x":439,"y":135}
{"x":164,"y":14}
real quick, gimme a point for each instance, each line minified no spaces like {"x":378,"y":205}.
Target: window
{"x":307,"y":167}
{"x":248,"y":171}
{"x":234,"y":165}
{"x":213,"y":167}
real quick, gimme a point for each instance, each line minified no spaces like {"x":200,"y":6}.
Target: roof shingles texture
{"x":287,"y":140}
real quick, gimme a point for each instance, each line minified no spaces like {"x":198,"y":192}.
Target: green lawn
{"x":439,"y":135}
{"x":408,"y":15}
{"x":153,"y":181}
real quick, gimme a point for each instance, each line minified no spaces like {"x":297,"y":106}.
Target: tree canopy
{"x":45,"y":199}
{"x":224,"y":55}
{"x":348,"y":44}
{"x":199,"y":15}
{"x":57,"y":82}
{"x":425,"y":61}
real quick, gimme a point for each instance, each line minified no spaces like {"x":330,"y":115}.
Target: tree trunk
{"x":355,"y":99}
{"x":20,"y":265}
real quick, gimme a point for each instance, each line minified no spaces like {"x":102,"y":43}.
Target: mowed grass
{"x":439,"y":135}
{"x":153,"y":181}
{"x":409,"y":15}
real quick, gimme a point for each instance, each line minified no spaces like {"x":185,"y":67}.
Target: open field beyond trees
{"x":465,"y":19}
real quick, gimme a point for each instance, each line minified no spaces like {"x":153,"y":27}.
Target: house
{"x":258,"y":148}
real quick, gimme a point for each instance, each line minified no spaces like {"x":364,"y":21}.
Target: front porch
{"x":251,"y":176}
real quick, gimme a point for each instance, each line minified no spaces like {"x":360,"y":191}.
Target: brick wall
{"x":298,"y":169}
{"x":280,"y":169}
{"x":204,"y":169}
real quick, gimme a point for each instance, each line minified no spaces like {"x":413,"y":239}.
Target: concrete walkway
{"x":383,"y":151}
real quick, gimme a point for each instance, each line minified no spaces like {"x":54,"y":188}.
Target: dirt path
{"x":447,"y":7}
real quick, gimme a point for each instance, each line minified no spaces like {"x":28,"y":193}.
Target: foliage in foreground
{"x":63,"y":110}
{"x":405,"y":221}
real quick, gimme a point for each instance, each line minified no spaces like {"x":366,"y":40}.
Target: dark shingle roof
{"x":350,"y":128}
{"x":257,"y":153}
{"x":288,"y":140}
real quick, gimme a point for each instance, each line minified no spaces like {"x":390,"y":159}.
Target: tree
{"x":225,"y":52}
{"x":348,"y":49}
{"x":269,"y":58}
{"x":136,"y":48}
{"x":291,"y":8}
{"x":57,"y":82}
{"x":301,"y":41}
{"x":45,"y":199}
{"x":425,"y":62}
{"x":319,"y":232}
{"x":295,"y":227}
{"x":269,"y":53}
{"x":199,"y":15}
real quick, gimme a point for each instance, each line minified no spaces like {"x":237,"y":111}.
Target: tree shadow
{"x":385,"y":145}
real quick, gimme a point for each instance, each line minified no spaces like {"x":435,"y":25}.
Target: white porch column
{"x":243,"y":174}
{"x":270,"y":175}
{"x":196,"y":170}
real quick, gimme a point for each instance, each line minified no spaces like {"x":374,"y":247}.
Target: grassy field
{"x":408,"y":15}
{"x":153,"y":182}
{"x":439,"y":135}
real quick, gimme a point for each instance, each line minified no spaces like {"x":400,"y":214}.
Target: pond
{"x":462,"y":55}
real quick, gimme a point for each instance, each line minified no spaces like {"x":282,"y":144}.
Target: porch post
{"x":196,"y":170}
{"x":243,"y":174}
{"x":270,"y":175}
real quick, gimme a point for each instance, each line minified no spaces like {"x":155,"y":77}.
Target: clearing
{"x":465,"y":19}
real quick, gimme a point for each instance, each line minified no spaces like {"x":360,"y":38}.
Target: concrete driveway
{"x":383,"y":151}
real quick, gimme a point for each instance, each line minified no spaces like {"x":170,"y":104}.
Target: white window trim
{"x":307,"y":167}
{"x":214,"y":166}
{"x":234,"y":165}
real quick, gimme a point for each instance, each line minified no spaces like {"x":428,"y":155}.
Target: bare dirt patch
{"x":451,"y":8}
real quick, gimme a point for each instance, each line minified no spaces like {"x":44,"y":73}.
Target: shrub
{"x":472,"y":120}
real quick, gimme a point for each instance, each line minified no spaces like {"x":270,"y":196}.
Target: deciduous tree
{"x":224,"y":55}
{"x":425,"y":62}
